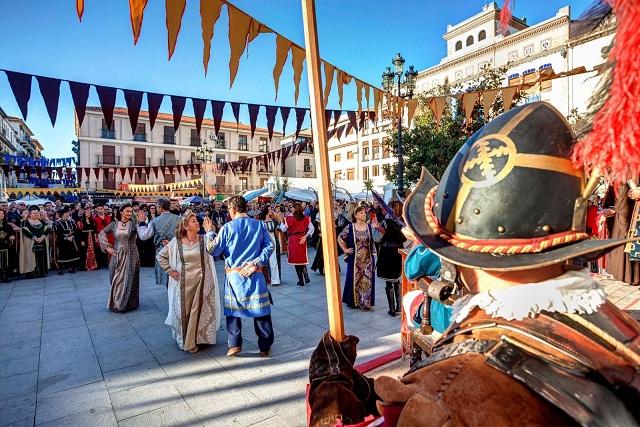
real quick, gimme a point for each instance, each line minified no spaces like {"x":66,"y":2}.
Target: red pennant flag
{"x":122,"y":172}
{"x":300,"y":113}
{"x":147,"y":171}
{"x":107,"y":97}
{"x":69,"y":173}
{"x":133,"y":99}
{"x":79,"y":173}
{"x":217,"y":107}
{"x":177,"y":106}
{"x":253,"y":117}
{"x":96,"y":173}
{"x":154,"y":101}
{"x":50,"y":91}
{"x":170,"y":170}
{"x":352,"y":120}
{"x":131,"y":170}
{"x":136,"y":12}
{"x":155,"y":171}
{"x":199,"y":106}
{"x":80,"y":95}
{"x":21,"y":87}
{"x":336,"y":117}
{"x":271,"y":112}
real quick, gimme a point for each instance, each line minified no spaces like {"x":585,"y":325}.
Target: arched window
{"x":469,"y":40}
{"x":482,"y":35}
{"x":458,"y":45}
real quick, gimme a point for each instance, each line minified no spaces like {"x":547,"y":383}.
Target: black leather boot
{"x":396,"y":290}
{"x":300,"y":276}
{"x":305,"y":273}
{"x":390,"y":299}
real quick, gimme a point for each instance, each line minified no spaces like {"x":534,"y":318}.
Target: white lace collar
{"x":572,"y":292}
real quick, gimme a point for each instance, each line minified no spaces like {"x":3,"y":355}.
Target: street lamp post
{"x":406,"y":81}
{"x":204,"y":154}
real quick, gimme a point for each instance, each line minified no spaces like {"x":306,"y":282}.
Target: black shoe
{"x":390,"y":299}
{"x":307,"y":280}
{"x":300,"y":284}
{"x":61,"y":273}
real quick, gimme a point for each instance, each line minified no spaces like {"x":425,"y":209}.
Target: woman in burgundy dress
{"x":299,"y":228}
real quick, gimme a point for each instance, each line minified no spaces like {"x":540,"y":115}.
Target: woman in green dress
{"x":34,"y":249}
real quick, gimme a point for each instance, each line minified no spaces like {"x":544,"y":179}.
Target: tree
{"x":433,"y":144}
{"x":368,"y":186}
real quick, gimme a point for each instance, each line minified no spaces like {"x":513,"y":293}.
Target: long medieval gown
{"x":6,"y":246}
{"x":34,"y":256}
{"x":275,"y":273}
{"x":359,"y":286}
{"x":67,"y":254}
{"x":194,"y":301}
{"x":87,"y":233}
{"x":124,"y":267}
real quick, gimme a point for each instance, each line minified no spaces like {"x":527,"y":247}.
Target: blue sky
{"x":45,"y":37}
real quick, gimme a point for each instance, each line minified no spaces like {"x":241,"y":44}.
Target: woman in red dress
{"x":299,"y":228}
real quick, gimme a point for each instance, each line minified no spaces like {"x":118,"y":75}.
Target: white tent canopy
{"x":30,"y":200}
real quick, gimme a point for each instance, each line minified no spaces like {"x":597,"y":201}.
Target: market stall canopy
{"x":253,"y":194}
{"x":192,"y":200}
{"x":30,"y":200}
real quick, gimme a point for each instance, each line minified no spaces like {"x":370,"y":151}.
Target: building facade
{"x":9,"y":142}
{"x":26,"y":146}
{"x":119,"y":147}
{"x":302,"y":165}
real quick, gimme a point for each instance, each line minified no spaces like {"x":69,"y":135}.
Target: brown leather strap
{"x":239,"y":269}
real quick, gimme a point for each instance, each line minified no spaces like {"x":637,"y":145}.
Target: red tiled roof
{"x":186,"y":119}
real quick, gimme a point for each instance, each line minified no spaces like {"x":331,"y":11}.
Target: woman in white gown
{"x":194,"y":296}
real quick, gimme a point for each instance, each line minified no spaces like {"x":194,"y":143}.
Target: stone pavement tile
{"x":20,"y":330}
{"x":62,"y":404}
{"x":26,"y":422}
{"x":98,"y":417}
{"x":124,"y":358}
{"x":134,"y":376}
{"x":166,"y":354}
{"x":18,"y":384}
{"x":49,"y":316}
{"x":68,"y":322}
{"x":52,"y":351}
{"x":17,"y":408}
{"x":64,"y":377}
{"x":20,"y":362}
{"x":13,"y":314}
{"x":138,"y":400}
{"x":110,"y":344}
{"x":178,"y":414}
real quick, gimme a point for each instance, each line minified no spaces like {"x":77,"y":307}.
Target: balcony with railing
{"x":221,"y":145}
{"x":108,"y":160}
{"x":108,"y":133}
{"x":139,"y":161}
{"x":365,"y":158}
{"x":195,"y":141}
{"x":169,"y":139}
{"x":140,"y":137}
{"x":168,"y":162}
{"x":265,"y":170}
{"x":307,"y":168}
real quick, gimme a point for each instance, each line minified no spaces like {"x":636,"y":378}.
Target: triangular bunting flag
{"x":80,"y":95}
{"x":154,"y":101}
{"x":199,"y":107}
{"x":80,"y":9}
{"x":270,"y":112}
{"x":238,"y":30}
{"x":284,"y":115}
{"x":217,"y":107}
{"x":21,"y":86}
{"x":327,"y":117}
{"x":209,"y":14}
{"x":437,"y":106}
{"x":329,"y":71}
{"x":359,"y":94}
{"x":122,"y":172}
{"x":50,"y":91}
{"x":488,"y":97}
{"x":336,"y":117}
{"x":136,"y":12}
{"x":235,"y":107}
{"x":300,"y":113}
{"x":253,"y":117}
{"x":367,"y":94}
{"x":468,"y":103}
{"x":507,"y":97}
{"x":107,"y":97}
{"x":282,"y":52}
{"x":412,"y":105}
{"x":297,"y":60}
{"x":133,"y":99}
{"x":96,"y":173}
{"x":177,"y":106}
{"x":147,"y":171}
{"x":343,"y":79}
{"x":155,"y":170}
{"x":352,"y":120}
{"x":174,"y":10}
{"x":339,"y":132}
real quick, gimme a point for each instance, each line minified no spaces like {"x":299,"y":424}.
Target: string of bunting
{"x":138,"y":170}
{"x":20,"y":84}
{"x":243,"y":29}
{"x":38,"y":171}
{"x":37,"y":161}
{"x":192,"y":183}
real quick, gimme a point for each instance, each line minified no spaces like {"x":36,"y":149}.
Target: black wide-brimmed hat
{"x":510,"y":199}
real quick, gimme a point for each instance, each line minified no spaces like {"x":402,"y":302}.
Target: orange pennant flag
{"x":507,"y":97}
{"x":367,"y":93}
{"x":343,"y":79}
{"x":359,"y":94}
{"x":282,"y":52}
{"x":136,"y":11}
{"x":238,"y":31}
{"x":412,"y":105}
{"x":376,"y":101}
{"x":297,"y":60}
{"x":174,"y":10}
{"x":209,"y":14}
{"x":80,"y":8}
{"x":255,"y":29}
{"x":468,"y":103}
{"x":437,"y":107}
{"x":329,"y":71}
{"x":488,"y":97}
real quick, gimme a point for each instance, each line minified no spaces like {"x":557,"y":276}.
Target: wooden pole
{"x":319,"y":129}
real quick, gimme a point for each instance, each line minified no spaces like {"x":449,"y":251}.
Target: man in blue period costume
{"x":246,"y":245}
{"x":163,"y":229}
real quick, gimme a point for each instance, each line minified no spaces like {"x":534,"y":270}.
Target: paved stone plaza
{"x":67,"y":360}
